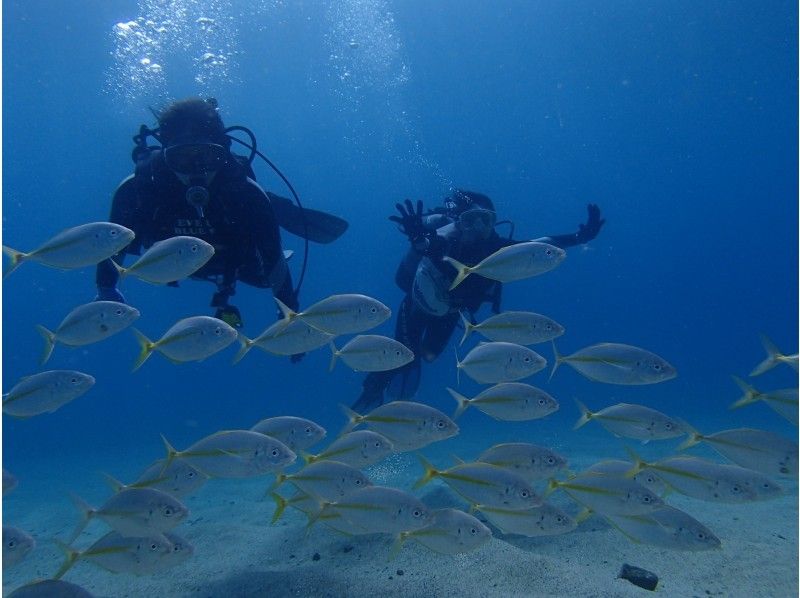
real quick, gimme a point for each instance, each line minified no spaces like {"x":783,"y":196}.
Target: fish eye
{"x":218,"y":331}
{"x":113,"y":233}
{"x":274,"y":452}
{"x":358,"y":482}
{"x":74,"y":380}
{"x":190,"y":475}
{"x":668,"y":425}
{"x":541,"y":401}
{"x":551,"y":461}
{"x":308,"y":429}
{"x":473,"y":531}
{"x":548,"y":252}
{"x":701,"y":536}
{"x":657,"y":367}
{"x":168,"y":511}
{"x":526,"y":359}
{"x":559,"y":519}
{"x":154,"y":546}
{"x":12,"y":543}
{"x":377,"y":444}
{"x":440,"y":424}
{"x":524,"y":494}
{"x":373,"y":309}
{"x":646,"y":499}
{"x":735,"y":489}
{"x":416,"y":513}
{"x":194,"y":248}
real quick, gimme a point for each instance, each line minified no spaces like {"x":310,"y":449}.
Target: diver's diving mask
{"x":478,"y":221}
{"x":195,"y":164}
{"x":195,"y":159}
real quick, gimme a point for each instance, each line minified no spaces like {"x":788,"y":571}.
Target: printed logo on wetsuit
{"x":194,"y":227}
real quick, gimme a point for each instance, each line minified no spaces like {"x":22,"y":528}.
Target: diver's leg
{"x":375,"y":384}
{"x":411,"y":324}
{"x":437,"y":335}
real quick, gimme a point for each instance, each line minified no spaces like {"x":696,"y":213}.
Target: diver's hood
{"x":430,"y":289}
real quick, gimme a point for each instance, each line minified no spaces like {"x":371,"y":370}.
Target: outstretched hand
{"x":588,"y":231}
{"x":410,"y":220}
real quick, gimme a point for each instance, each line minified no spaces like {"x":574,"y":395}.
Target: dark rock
{"x":639,"y":577}
{"x":316,"y":557}
{"x":400,"y":572}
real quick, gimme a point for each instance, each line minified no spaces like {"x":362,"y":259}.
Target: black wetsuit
{"x":425,"y":334}
{"x":238,"y":221}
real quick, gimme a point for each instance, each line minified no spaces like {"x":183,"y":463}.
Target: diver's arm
{"x":586,"y":232}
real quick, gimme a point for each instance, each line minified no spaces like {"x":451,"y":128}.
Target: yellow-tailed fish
{"x":407,"y":425}
{"x":298,"y":433}
{"x":490,"y":363}
{"x":774,"y":357}
{"x":783,"y":401}
{"x":372,"y":353}
{"x":633,"y":421}
{"x":520,"y":327}
{"x":189,"y":339}
{"x":508,"y":401}
{"x":340,"y":314}
{"x":616,"y":363}
{"x":169,"y":260}
{"x":530,"y":461}
{"x":45,"y":392}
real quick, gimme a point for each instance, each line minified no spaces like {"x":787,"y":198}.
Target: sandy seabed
{"x":238,"y":553}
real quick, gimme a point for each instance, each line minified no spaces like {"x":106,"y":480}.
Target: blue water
{"x":678,"y":118}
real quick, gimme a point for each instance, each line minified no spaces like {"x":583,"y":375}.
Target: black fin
{"x":319,"y":227}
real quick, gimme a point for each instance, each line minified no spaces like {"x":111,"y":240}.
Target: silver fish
{"x":529,"y":461}
{"x":784,"y":401}
{"x":451,"y":532}
{"x":484,"y":484}
{"x":514,"y":262}
{"x":774,"y":357}
{"x":16,"y":546}
{"x":329,"y":481}
{"x":190,"y":339}
{"x":706,"y":480}
{"x":544,"y":520}
{"x":372,"y":353}
{"x":45,"y":392}
{"x":169,"y":260}
{"x":616,"y":363}
{"x":608,"y":495}
{"x":284,"y":339}
{"x":234,"y":454}
{"x":134,"y":512}
{"x":508,"y":401}
{"x":667,"y":527}
{"x":84,"y":245}
{"x":760,"y":450}
{"x":621,"y":469}
{"x":88,"y":324}
{"x":377,"y":509}
{"x":490,"y":363}
{"x":120,"y":554}
{"x":408,"y":425}
{"x":177,"y":478}
{"x":520,"y":327}
{"x":359,"y":448}
{"x":632,"y":421}
{"x":297,"y":433}
{"x":341,"y":314}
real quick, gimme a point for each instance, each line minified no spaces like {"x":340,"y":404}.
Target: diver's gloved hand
{"x":587,"y":232}
{"x":297,"y":357}
{"x":410,"y":221}
{"x":109,"y":294}
{"x":230,"y":315}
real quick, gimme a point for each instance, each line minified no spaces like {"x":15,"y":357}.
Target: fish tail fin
{"x":71,"y":557}
{"x":586,"y":415}
{"x":308,"y":458}
{"x":552,"y":486}
{"x":288,"y":313}
{"x":463,"y":271}
{"x":750,"y":396}
{"x":557,"y":359}
{"x":585,"y":513}
{"x":324,"y":508}
{"x":16,"y":257}
{"x":353,"y":418}
{"x":463,"y":402}
{"x":280,"y":478}
{"x":87,"y":512}
{"x":122,"y":271}
{"x":280,"y":506}
{"x":334,"y":355}
{"x":146,"y":347}
{"x":694,"y":438}
{"x":468,"y":328}
{"x":398,"y":545}
{"x":49,"y":343}
{"x":458,"y":367}
{"x":772,"y":359}
{"x":245,"y":344}
{"x":171,"y":454}
{"x":638,"y":463}
{"x":430,"y":472}
{"x":113,"y":483}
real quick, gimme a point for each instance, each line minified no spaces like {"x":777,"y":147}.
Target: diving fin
{"x":314,"y":225}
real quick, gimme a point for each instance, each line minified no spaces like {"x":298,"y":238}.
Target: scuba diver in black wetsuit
{"x":192,"y":184}
{"x":465,"y":230}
